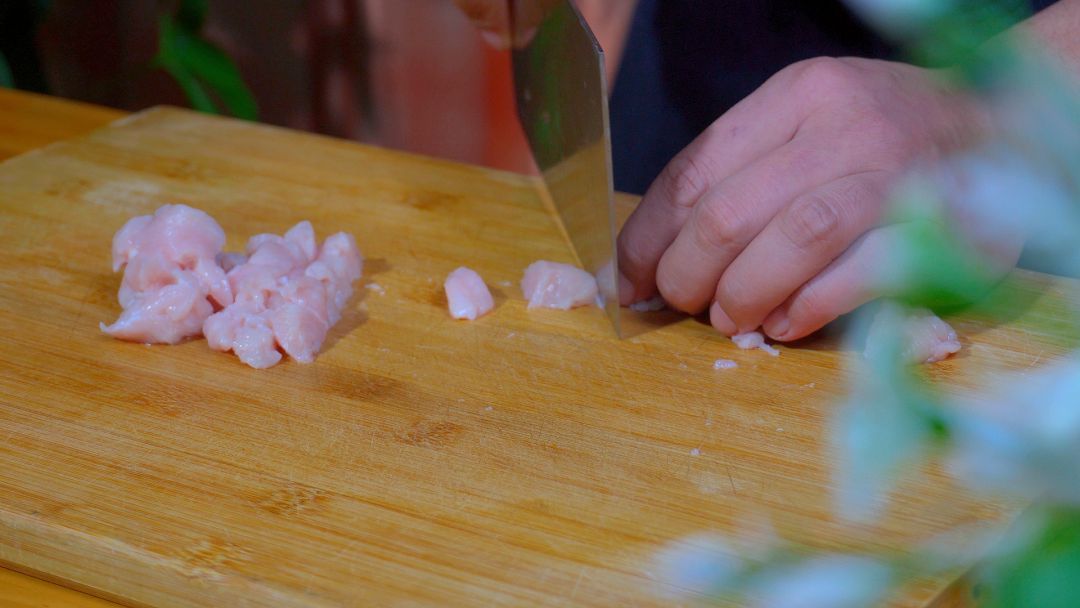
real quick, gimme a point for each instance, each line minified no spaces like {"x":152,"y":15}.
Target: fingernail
{"x":495,"y":40}
{"x":626,"y":291}
{"x":777,"y":326}
{"x":721,"y":321}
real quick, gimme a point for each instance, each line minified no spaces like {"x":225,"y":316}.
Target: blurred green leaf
{"x":944,"y":275}
{"x":933,"y":265}
{"x":956,"y":36}
{"x":214,"y":68}
{"x":193,"y":89}
{"x":201,"y":69}
{"x":6,"y":80}
{"x":1045,"y":572}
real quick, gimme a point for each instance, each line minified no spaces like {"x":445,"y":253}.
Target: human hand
{"x":770,"y":217}
{"x":492,"y":17}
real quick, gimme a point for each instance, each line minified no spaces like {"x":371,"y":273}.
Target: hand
{"x":768,"y":218}
{"x":493,"y":19}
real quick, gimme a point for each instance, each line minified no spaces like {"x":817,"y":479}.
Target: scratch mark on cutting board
{"x":291,"y":499}
{"x":207,"y":558}
{"x":430,"y":433}
{"x":80,"y":312}
{"x":577,"y":583}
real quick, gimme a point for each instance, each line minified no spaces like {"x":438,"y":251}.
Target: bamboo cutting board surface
{"x":528,"y":458}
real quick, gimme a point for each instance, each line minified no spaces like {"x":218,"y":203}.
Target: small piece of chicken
{"x":926,"y":338}
{"x":754,"y":339}
{"x":170,"y":271}
{"x":467,"y":296}
{"x":555,"y":285}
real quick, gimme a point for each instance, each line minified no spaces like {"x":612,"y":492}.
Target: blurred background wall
{"x":407,"y":74}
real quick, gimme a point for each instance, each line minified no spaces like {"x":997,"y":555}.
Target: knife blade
{"x":561,"y":92}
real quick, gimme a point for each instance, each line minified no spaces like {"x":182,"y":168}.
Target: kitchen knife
{"x":561,"y":91}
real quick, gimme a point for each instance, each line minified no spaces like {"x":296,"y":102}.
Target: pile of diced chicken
{"x":282,"y":295}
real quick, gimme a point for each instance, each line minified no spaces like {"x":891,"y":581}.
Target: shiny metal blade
{"x":561,"y":90}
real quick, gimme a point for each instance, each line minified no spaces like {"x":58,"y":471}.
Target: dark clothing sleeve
{"x":687,"y":61}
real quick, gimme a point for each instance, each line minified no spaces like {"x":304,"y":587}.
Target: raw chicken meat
{"x":651,"y":305}
{"x":170,"y":271}
{"x":754,"y":339}
{"x":926,"y":338}
{"x":242,"y":329}
{"x":466,"y":295}
{"x":288,"y":294}
{"x":724,"y":364}
{"x":230,"y":260}
{"x":555,"y":285}
{"x":930,"y":339}
{"x":284,"y":293}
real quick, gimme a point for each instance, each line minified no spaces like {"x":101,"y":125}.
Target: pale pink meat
{"x":467,"y":296}
{"x":241,"y":329}
{"x":170,"y":271}
{"x":651,"y":305}
{"x":555,"y":285}
{"x":230,"y":260}
{"x":932,"y":340}
{"x":283,"y":294}
{"x":166,"y":315}
{"x":338,"y":263}
{"x":754,"y":339}
{"x":289,"y":292}
{"x":926,"y":338}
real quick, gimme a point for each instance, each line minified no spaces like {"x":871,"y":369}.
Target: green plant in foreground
{"x":209,"y":79}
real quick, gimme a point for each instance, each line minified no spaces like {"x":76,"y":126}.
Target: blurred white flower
{"x":1000,"y":193}
{"x":877,"y":431}
{"x":755,"y":538}
{"x":875,"y":435}
{"x":1022,"y":437}
{"x":704,"y":564}
{"x":827,"y":581}
{"x":958,"y":547}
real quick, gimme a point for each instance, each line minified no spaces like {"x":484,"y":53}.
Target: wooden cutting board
{"x":528,"y":458}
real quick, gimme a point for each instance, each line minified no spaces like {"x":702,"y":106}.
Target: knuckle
{"x":721,"y":223}
{"x":810,"y":221}
{"x":825,"y":74}
{"x":685,"y":179}
{"x":879,"y":128}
